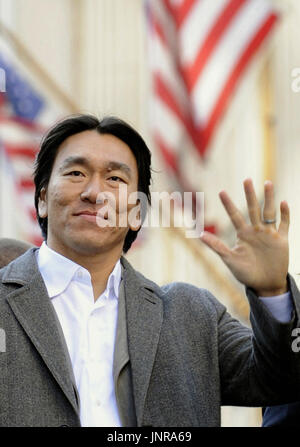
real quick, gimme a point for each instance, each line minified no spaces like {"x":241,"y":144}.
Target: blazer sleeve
{"x":259,"y":367}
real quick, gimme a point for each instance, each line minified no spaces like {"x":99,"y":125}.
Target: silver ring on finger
{"x":269,"y":221}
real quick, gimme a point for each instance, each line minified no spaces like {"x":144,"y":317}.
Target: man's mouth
{"x":91,"y":216}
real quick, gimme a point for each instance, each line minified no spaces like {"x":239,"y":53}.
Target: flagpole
{"x":36,"y":68}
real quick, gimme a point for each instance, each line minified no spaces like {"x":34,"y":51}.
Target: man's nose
{"x":91,"y":191}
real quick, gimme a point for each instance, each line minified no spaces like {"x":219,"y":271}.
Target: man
{"x":11,"y":249}
{"x":92,"y":342}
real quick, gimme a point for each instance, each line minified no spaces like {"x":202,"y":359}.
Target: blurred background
{"x":212,"y":85}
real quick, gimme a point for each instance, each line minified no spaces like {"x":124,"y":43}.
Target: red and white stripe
{"x":199,"y":49}
{"x":20,"y":142}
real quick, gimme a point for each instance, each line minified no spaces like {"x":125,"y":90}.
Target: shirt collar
{"x":58,"y":271}
{"x":113,"y":282}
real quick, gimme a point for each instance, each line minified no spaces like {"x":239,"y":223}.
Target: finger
{"x":252,"y":203}
{"x":234,"y":214}
{"x":283,"y":228}
{"x":215,"y":244}
{"x":269,"y":212}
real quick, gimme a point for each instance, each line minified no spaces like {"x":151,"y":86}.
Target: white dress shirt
{"x":89,"y":328}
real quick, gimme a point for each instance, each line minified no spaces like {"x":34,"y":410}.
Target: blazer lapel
{"x":32,"y":307}
{"x":144,"y":319}
{"x":121,"y":355}
{"x":121,"y":368}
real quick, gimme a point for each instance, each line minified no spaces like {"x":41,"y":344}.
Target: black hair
{"x":108,"y":125}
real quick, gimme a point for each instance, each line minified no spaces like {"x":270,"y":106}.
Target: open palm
{"x":261,"y":255}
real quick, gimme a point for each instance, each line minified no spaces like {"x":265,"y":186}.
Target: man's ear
{"x":134,"y":217}
{"x":42,"y":204}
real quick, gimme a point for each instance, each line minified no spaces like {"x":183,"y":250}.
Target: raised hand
{"x":260,"y":257}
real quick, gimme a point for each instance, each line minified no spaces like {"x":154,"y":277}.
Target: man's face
{"x":87,"y":164}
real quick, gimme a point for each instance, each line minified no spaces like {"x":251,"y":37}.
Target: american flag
{"x":198,"y":51}
{"x":24,"y":117}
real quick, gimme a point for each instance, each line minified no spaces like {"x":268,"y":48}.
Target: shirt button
{"x":79,"y":274}
{"x":98,"y":403}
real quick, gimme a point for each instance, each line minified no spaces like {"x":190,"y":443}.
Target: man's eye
{"x":75,"y":173}
{"x":115,"y":178}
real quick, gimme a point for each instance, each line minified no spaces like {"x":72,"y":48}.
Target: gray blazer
{"x":179,"y":355}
